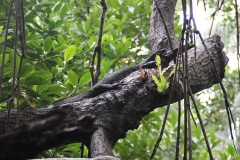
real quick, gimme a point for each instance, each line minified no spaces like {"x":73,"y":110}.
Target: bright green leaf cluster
{"x":161,"y":82}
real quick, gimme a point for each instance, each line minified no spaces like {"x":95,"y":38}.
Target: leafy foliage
{"x":61,"y":37}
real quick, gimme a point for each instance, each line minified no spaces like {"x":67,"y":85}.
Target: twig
{"x":4,"y":47}
{"x":185,"y":81}
{"x":88,"y":6}
{"x":189,"y":134}
{"x":20,"y":17}
{"x":227,"y":106}
{"x":21,"y":27}
{"x":179,"y":125}
{"x":204,"y":4}
{"x":97,"y":49}
{"x":218,"y":8}
{"x":165,"y":26}
{"x":194,"y":27}
{"x":201,"y":125}
{"x":13,"y":75}
{"x":238,"y":53}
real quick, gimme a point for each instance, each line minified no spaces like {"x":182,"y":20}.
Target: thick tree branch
{"x":47,"y":131}
{"x":121,"y":110}
{"x":157,"y":35}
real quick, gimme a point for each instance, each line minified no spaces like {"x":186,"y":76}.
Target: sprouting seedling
{"x":161,"y":82}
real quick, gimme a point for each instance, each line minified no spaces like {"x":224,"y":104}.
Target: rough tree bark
{"x":29,"y":139}
{"x":120,"y":110}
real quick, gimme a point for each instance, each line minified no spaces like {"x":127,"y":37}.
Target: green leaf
{"x":228,"y":9}
{"x":61,"y":40}
{"x":69,"y":87}
{"x":158,"y":60}
{"x":73,"y":78}
{"x":156,"y":80}
{"x":6,"y":58}
{"x":230,"y":150}
{"x":35,"y":80}
{"x":198,"y":132}
{"x":59,"y":61}
{"x":115,"y":3}
{"x":11,"y":58}
{"x":214,"y":144}
{"x":43,"y":74}
{"x":2,"y":10}
{"x":34,"y":44}
{"x":126,"y":46}
{"x":47,"y":44}
{"x":57,"y":7}
{"x":63,"y":11}
{"x":204,"y":156}
{"x":2,"y":39}
{"x":85,"y":78}
{"x":33,"y":37}
{"x":223,"y":155}
{"x":174,"y":118}
{"x":87,"y":25}
{"x":69,"y":52}
{"x":32,"y":93}
{"x":55,"y":44}
{"x":171,"y":73}
{"x":26,"y":70}
{"x":40,"y":66}
{"x":53,"y":89}
{"x":92,"y":41}
{"x":167,"y":141}
{"x":59,"y":49}
{"x":124,"y":19}
{"x":70,"y":66}
{"x":164,"y":84}
{"x":46,"y":3}
{"x":8,"y":71}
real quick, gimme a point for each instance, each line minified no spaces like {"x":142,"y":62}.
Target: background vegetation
{"x":60,"y":39}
